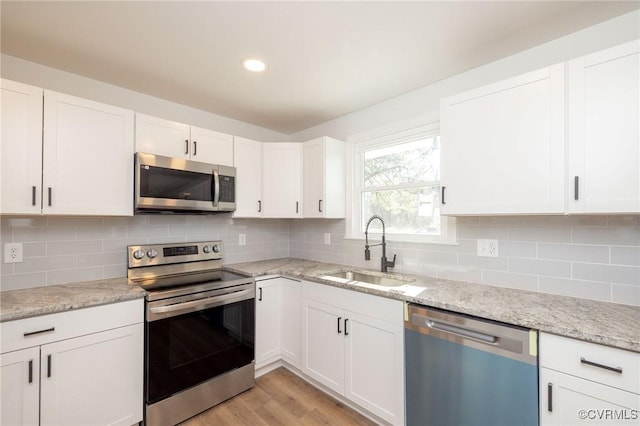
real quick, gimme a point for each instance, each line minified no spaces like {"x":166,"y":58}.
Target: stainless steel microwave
{"x":165,"y":185}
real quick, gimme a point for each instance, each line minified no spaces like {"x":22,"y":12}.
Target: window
{"x":397,"y":177}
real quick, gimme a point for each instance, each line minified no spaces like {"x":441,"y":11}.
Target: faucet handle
{"x":392,"y":263}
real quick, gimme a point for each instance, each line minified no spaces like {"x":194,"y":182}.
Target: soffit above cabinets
{"x":324,"y":59}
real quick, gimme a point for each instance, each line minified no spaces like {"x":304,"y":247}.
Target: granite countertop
{"x":31,"y":302}
{"x":598,"y":322}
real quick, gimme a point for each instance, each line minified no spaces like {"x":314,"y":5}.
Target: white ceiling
{"x":325,"y":59}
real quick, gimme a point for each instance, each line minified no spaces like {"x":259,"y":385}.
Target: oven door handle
{"x":160,"y":312}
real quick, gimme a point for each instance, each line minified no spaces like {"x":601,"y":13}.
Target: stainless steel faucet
{"x":384,"y":263}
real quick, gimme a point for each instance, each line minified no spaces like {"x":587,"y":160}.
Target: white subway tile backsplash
{"x":540,"y":267}
{"x":629,"y":275}
{"x":553,"y":234}
{"x":625,"y":256}
{"x":610,"y":235}
{"x":595,"y":257}
{"x":576,"y":288}
{"x":626,"y":294}
{"x":582,"y":253}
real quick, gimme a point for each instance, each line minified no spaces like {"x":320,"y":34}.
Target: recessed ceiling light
{"x":253,"y":64}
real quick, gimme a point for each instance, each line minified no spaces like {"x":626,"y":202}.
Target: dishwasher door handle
{"x":461,"y":331}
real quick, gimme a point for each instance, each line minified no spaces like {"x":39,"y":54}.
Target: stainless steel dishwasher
{"x":462,"y":370}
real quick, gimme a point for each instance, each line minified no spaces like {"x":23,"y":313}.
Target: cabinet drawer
{"x":603,"y":364}
{"x":45,"y":329}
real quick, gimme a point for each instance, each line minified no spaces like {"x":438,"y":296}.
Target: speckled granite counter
{"x":599,"y":322}
{"x":31,"y":302}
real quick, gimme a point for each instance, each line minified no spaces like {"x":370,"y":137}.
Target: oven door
{"x":197,"y":338}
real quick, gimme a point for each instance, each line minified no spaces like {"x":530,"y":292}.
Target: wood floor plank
{"x":280,"y":398}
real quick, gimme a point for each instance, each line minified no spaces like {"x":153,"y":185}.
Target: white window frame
{"x":355,"y":175}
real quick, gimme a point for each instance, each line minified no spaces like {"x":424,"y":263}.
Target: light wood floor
{"x":280,"y":398}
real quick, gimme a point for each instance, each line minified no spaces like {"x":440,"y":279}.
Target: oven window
{"x":189,"y":349}
{"x":159,"y":182}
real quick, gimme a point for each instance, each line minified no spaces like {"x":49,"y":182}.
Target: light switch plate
{"x":242,"y":239}
{"x":327,"y":238}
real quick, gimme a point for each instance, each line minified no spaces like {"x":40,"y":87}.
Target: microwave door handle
{"x":216,"y":188}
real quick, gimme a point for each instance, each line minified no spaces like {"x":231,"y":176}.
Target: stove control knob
{"x":138,"y":254}
{"x":216,"y":249}
{"x":152,"y":253}
{"x":206,"y":249}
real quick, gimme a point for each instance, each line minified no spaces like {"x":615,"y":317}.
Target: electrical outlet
{"x":488,"y":248}
{"x":13,"y":253}
{"x":327,"y":238}
{"x":242,"y":239}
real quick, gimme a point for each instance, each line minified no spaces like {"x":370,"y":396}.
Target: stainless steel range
{"x":199,"y":328}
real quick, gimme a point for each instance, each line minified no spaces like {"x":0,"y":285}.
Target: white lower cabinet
{"x":20,"y":396}
{"x":353,"y":344}
{"x":51,"y":377}
{"x":583,"y":383}
{"x":277,"y":321}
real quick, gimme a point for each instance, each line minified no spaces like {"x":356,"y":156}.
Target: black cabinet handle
{"x":576,"y":180}
{"x":297,"y":207}
{"x":260,"y":294}
{"x":33,"y":195}
{"x":346,"y":332}
{"x":550,"y":397}
{"x":259,"y":206}
{"x":605,"y":367}
{"x":31,"y":333}
{"x":30,"y":371}
{"x":339,"y":319}
{"x":442,"y":196}
{"x":195,"y":148}
{"x":320,"y":206}
{"x":49,"y":194}
{"x":49,"y":365}
{"x":186,"y":146}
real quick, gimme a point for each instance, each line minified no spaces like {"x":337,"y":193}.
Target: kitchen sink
{"x":364,"y":277}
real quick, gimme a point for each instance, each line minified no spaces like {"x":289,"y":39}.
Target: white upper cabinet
{"x":21,"y":117}
{"x":247,"y":156}
{"x":282,"y":180}
{"x":503,"y":147}
{"x":87,"y":157}
{"x":64,"y":155}
{"x":324,"y":178}
{"x":604,"y":131}
{"x":172,"y":139}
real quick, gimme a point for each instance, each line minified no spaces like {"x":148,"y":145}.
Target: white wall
{"x":422,"y":105}
{"x":38,"y":75}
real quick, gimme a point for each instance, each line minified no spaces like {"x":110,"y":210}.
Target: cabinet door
{"x":94,"y":379}
{"x":247,"y":158}
{"x":20,"y":378}
{"x":21,"y":148}
{"x":212,"y":147}
{"x":503,"y":147}
{"x":604,"y":131}
{"x":324,"y":178}
{"x":374,"y":365}
{"x":282,"y":180}
{"x":87,"y":157}
{"x":290,"y":321}
{"x":314,"y":178}
{"x":323,"y":344}
{"x":568,"y":400}
{"x":162,"y":137}
{"x":268,"y":321}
